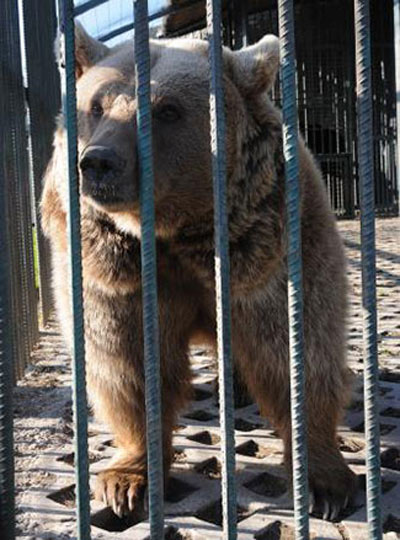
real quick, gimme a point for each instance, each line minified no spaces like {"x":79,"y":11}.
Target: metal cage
{"x":329,"y":127}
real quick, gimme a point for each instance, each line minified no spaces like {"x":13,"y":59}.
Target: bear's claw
{"x":119,"y":489}
{"x":329,"y":501}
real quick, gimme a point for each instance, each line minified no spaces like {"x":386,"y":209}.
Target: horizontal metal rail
{"x":163,"y":12}
{"x":87,"y":6}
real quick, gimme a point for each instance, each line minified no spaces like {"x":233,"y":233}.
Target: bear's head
{"x":107,"y":111}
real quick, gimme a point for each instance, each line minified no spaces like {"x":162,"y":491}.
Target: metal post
{"x":222,"y":284}
{"x":396,"y":21}
{"x":15,"y":157}
{"x":7,"y":499}
{"x":74,"y":248}
{"x":7,"y":520}
{"x":27,"y":200}
{"x":295,"y":293}
{"x":149,"y":272}
{"x":7,"y":335}
{"x":240,"y":23}
{"x":39,"y":61}
{"x":367,"y":203}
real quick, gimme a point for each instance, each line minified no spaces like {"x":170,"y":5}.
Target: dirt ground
{"x":44,"y":430}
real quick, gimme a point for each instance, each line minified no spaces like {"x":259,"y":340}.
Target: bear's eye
{"x":96,"y":109}
{"x":167,"y":113}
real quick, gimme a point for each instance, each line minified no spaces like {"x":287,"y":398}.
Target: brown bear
{"x":109,"y":179}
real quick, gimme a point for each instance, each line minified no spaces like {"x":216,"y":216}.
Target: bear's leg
{"x":123,"y":483}
{"x":332,"y":483}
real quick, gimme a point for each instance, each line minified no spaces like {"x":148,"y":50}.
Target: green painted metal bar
{"x":222,"y":282}
{"x":74,"y":247}
{"x":7,"y":498}
{"x":16,"y":166}
{"x":39,"y":44}
{"x":149,"y":272}
{"x":24,"y":320}
{"x":7,"y":336}
{"x":295,"y":292}
{"x":367,"y":205}
{"x":396,"y":23}
{"x":26,"y":195}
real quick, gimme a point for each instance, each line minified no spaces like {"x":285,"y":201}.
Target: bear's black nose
{"x":101,"y":164}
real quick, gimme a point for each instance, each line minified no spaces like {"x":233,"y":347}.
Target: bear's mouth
{"x":101,"y":191}
{"x":110,"y":196}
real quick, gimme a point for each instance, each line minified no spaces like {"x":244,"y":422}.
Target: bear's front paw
{"x":121,"y":489}
{"x":332,"y":488}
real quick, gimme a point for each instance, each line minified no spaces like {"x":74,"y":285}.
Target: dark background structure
{"x":326,"y":84}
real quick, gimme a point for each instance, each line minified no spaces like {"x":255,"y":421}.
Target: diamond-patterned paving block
{"x":268,"y":485}
{"x":45,"y":474}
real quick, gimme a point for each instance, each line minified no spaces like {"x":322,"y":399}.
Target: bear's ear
{"x":88,"y":51}
{"x":254,"y":68}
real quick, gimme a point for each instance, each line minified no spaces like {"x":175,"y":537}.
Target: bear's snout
{"x":102,"y":171}
{"x":101,"y":164}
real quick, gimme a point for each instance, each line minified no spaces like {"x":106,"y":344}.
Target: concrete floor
{"x":43,"y":433}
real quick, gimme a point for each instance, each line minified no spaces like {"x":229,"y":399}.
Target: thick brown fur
{"x":185,"y":255}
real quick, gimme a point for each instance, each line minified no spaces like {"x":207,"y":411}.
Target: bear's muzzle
{"x":103,"y":179}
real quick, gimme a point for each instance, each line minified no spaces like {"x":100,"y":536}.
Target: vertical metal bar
{"x":295,"y":292}
{"x":396,"y":22}
{"x":240,"y":23}
{"x":9,"y":86}
{"x":16,"y":324}
{"x":74,"y":248}
{"x":39,"y":37}
{"x":7,"y":500}
{"x":27,"y":196}
{"x":149,"y":272}
{"x":222,"y":284}
{"x":366,"y":182}
{"x":7,"y":520}
{"x":7,"y":335}
{"x":17,"y":167}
